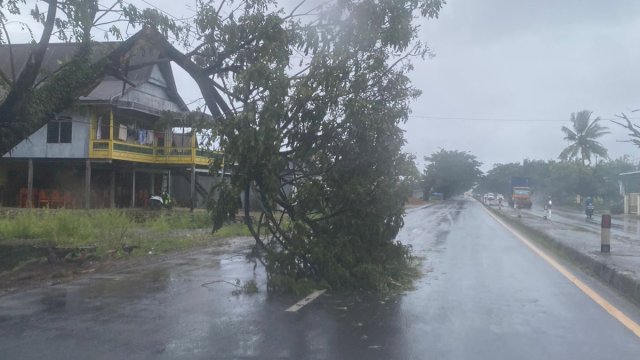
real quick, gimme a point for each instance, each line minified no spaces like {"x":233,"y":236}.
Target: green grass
{"x":176,"y":220}
{"x":108,"y":230}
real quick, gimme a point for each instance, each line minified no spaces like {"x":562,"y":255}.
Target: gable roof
{"x":55,"y":56}
{"x":110,"y":89}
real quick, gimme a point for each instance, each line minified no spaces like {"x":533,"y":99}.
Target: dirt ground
{"x":39,"y":272}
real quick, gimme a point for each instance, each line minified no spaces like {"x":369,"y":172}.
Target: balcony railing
{"x":119,"y":150}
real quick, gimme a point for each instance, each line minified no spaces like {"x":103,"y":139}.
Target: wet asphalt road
{"x":484,"y":295}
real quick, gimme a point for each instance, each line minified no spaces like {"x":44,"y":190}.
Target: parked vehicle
{"x":489,"y":197}
{"x":161,"y":201}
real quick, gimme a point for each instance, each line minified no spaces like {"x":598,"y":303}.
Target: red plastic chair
{"x":56,"y":199}
{"x":67,"y":200}
{"x":43,"y":199}
{"x":22,"y":198}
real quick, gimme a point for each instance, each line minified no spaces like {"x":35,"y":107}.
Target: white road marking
{"x":297,"y":306}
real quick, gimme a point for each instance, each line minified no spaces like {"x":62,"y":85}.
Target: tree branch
{"x":195,"y":50}
{"x":225,"y":54}
{"x":633,"y":128}
{"x":215,"y":102}
{"x":105,"y":12}
{"x":13,"y":70}
{"x":232,"y":68}
{"x":27,"y":77}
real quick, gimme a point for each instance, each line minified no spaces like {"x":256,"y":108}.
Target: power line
{"x":162,"y":11}
{"x":183,"y":20}
{"x":488,"y":119}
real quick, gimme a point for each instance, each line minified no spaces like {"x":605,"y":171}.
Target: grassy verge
{"x":109,"y":230}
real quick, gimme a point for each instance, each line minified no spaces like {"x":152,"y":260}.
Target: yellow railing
{"x":111,"y":149}
{"x":119,"y":150}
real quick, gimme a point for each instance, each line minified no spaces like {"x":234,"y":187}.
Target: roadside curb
{"x":621,"y":282}
{"x":419,"y":207}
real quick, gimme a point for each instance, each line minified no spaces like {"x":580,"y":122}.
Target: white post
{"x":133,"y":190}
{"x":87,"y":184}
{"x":626,"y":203}
{"x":605,"y":235}
{"x":193,"y":186}
{"x":112,"y":190}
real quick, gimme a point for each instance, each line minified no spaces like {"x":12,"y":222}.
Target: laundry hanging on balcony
{"x":141,"y":135}
{"x":99,"y":130}
{"x":122,"y":133}
{"x":145,"y":137}
{"x":182,"y":140}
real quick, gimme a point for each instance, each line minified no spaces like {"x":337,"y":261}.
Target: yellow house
{"x":114,"y":148}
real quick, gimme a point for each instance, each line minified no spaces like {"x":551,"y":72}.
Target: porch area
{"x":118,"y":139}
{"x":74,"y":184}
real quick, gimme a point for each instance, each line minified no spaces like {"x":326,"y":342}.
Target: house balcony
{"x":149,"y":154}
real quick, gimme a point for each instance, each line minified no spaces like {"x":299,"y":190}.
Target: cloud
{"x":524,"y":60}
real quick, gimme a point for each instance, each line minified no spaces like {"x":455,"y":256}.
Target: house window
{"x":59,"y":131}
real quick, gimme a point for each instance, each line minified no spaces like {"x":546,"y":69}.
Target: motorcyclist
{"x":166,"y":199}
{"x":588,"y":207}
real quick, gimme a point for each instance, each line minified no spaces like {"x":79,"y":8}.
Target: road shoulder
{"x":613,"y":269}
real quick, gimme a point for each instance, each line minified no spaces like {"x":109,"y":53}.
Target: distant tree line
{"x":562,"y":180}
{"x":583,"y":168}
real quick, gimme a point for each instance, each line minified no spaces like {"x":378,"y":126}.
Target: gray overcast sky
{"x":526,"y":59}
{"x":506,"y":59}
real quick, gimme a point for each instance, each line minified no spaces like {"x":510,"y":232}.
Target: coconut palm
{"x":582,"y":138}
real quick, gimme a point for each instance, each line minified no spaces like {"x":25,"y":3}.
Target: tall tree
{"x":451,"y":172}
{"x":583,"y":137}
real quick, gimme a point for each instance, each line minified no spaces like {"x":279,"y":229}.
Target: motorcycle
{"x":589,"y":211}
{"x":158,"y":202}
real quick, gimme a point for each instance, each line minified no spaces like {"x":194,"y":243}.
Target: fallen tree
{"x":307,"y":107}
{"x":312,"y":128}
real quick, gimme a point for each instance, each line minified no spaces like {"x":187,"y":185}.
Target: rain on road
{"x":484,"y":295}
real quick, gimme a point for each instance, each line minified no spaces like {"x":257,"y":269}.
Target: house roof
{"x":56,"y":55}
{"x":110,"y":89}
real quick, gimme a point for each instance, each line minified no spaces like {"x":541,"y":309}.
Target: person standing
{"x":548,"y":208}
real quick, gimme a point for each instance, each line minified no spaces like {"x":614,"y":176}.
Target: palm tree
{"x":583,"y":137}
